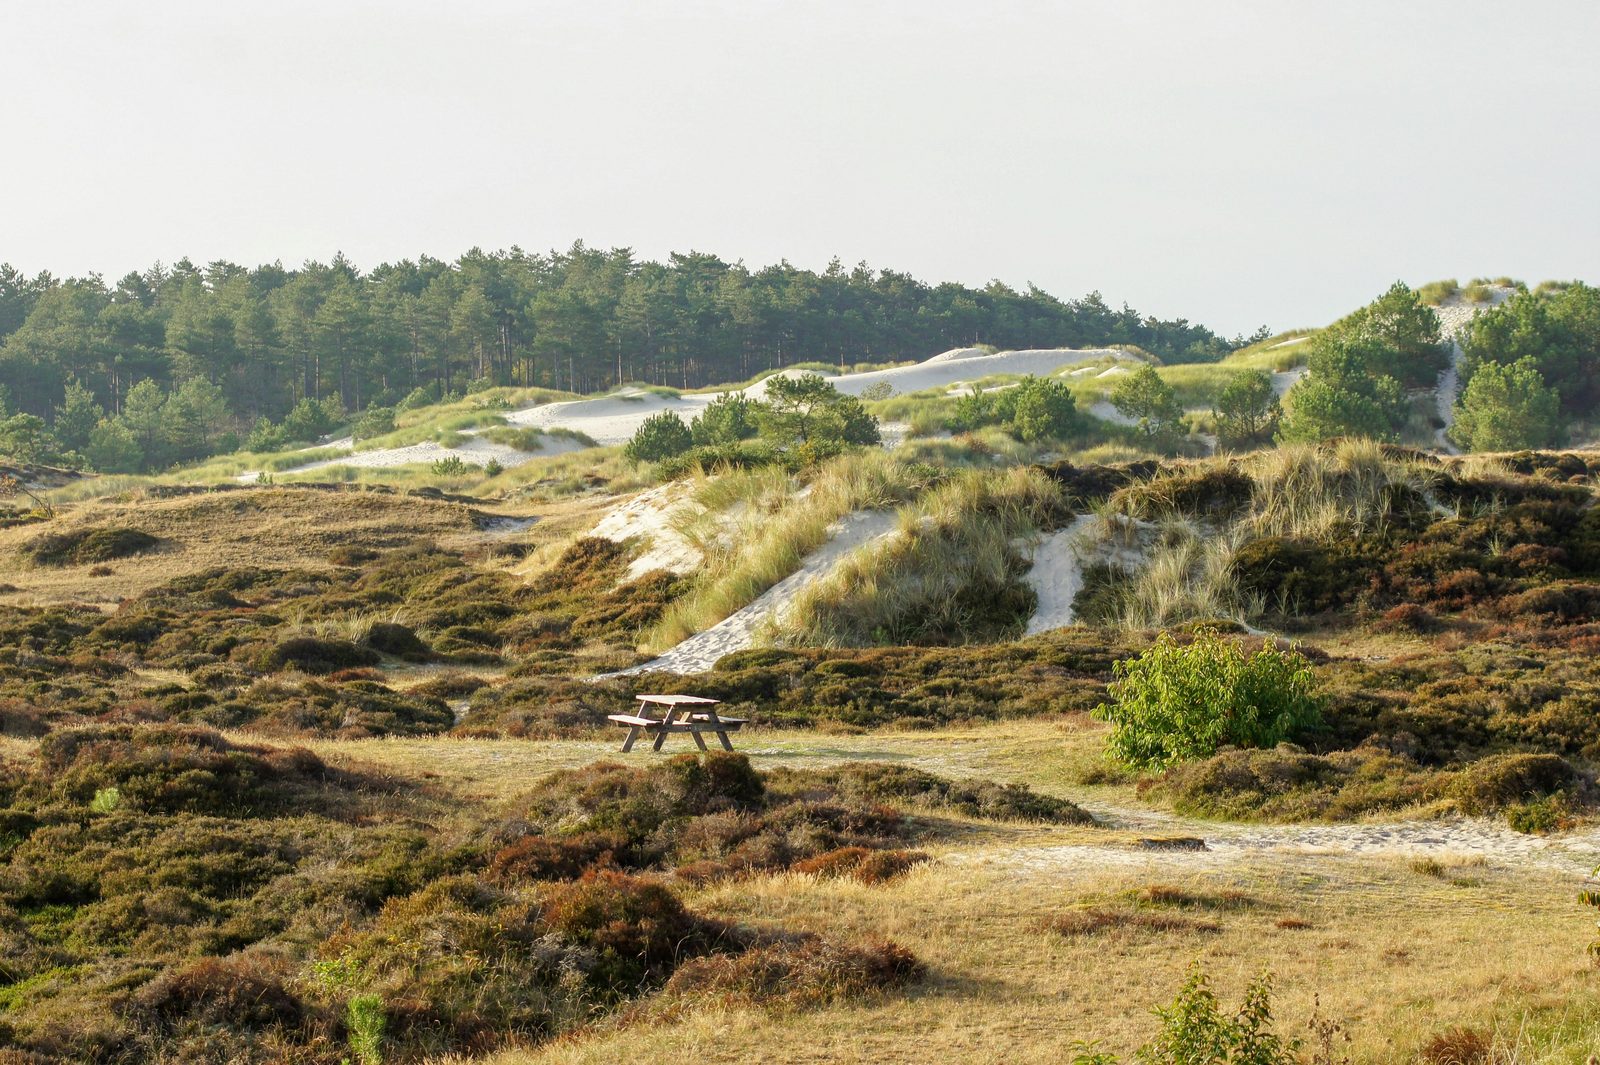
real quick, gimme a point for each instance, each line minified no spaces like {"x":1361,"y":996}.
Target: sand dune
{"x":741,"y":629}
{"x":613,"y":419}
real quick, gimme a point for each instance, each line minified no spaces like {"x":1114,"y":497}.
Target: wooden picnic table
{"x":692,"y":714}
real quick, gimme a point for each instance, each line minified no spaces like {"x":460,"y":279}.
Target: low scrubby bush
{"x":1499,"y":781}
{"x":311,"y":654}
{"x":1185,"y":700}
{"x":85,"y":546}
{"x":814,"y":971}
{"x":862,"y":864}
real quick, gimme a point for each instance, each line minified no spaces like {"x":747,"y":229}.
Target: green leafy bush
{"x":1179,"y":701}
{"x":660,"y":436}
{"x":727,"y":419}
{"x":374,"y":421}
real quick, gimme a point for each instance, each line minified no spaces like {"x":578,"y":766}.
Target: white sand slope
{"x":1283,"y":380}
{"x":613,"y":419}
{"x":740,"y":630}
{"x":1455,"y":317}
{"x":650,"y":515}
{"x":1056,"y":575}
{"x":475,"y":449}
{"x":1102,"y":409}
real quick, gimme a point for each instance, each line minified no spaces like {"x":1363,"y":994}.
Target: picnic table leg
{"x":661,"y":737}
{"x":722,"y":733}
{"x":633,"y":734}
{"x":699,"y":740}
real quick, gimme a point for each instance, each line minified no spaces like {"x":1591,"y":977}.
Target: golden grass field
{"x":1395,"y":946}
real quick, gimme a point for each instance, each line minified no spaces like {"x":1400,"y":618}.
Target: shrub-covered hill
{"x":169,"y":895}
{"x":1455,"y":603}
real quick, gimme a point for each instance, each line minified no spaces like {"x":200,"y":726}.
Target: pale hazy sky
{"x":1230,"y":162}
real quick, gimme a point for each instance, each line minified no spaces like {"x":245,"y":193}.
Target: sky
{"x":1234,"y":163}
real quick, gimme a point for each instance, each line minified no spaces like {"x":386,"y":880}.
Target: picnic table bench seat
{"x":676,"y":719}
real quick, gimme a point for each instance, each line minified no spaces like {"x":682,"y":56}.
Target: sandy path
{"x":740,"y":630}
{"x":1453,"y":841}
{"x":1057,"y":576}
{"x":1455,"y":318}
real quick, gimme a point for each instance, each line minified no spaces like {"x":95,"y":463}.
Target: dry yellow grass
{"x":257,"y":527}
{"x":1394,"y":955}
{"x":1050,"y":756}
{"x":1396,"y":949}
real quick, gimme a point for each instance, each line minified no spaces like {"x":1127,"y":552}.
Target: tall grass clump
{"x":1188,"y":575}
{"x":772,"y":545}
{"x":1308,"y":492}
{"x":1435,"y":293}
{"x":1194,"y":519}
{"x":950,"y":574}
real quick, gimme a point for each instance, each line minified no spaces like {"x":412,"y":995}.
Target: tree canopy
{"x":1506,"y":408}
{"x":1360,"y":367}
{"x":270,"y":338}
{"x":1557,"y":328}
{"x":1144,"y":397}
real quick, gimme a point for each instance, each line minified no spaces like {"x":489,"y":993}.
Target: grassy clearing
{"x":1276,"y":353}
{"x":772,"y":545}
{"x":245,"y":528}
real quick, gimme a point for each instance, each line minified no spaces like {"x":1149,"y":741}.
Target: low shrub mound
{"x":861,"y":864}
{"x":902,"y":786}
{"x":396,"y":640}
{"x":713,"y":816}
{"x":1505,"y":780}
{"x":310,"y":654}
{"x":1289,"y":784}
{"x":813,"y":971}
{"x":175,"y":769}
{"x":82,"y":547}
{"x":166,"y":895}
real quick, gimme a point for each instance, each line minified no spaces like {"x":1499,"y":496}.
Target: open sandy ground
{"x":613,"y":419}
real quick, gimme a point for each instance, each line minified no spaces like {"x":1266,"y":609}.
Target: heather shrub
{"x":862,"y":864}
{"x":1179,"y":701}
{"x":83,"y":546}
{"x":811,"y":972}
{"x":1494,"y":783}
{"x":1288,"y":784}
{"x":311,"y":654}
